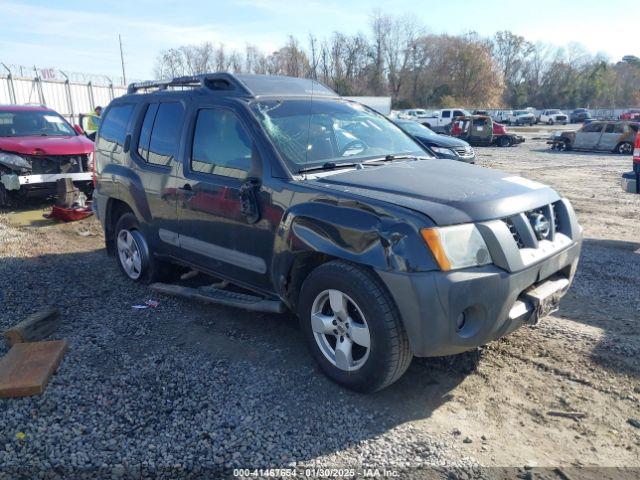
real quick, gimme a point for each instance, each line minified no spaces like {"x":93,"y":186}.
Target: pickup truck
{"x":301,"y":200}
{"x":439,"y":120}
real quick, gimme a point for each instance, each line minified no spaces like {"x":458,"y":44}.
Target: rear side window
{"x":620,"y":128}
{"x":221,"y":145}
{"x":113,"y":129}
{"x":160,"y":133}
{"x":457,"y":113}
{"x":592,"y":128}
{"x":609,"y":128}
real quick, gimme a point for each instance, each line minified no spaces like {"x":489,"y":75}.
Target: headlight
{"x":458,"y":246}
{"x":13,"y":161}
{"x":443,"y":151}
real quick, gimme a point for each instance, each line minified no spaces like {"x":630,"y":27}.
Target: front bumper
{"x":493,"y":300}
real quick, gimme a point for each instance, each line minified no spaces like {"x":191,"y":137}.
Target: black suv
{"x":303,"y":200}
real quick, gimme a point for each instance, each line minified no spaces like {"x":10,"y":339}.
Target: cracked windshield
{"x":314,"y":132}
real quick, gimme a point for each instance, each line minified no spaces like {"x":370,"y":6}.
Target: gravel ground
{"x":190,"y":389}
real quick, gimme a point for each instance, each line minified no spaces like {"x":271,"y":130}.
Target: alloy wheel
{"x":129,"y":254}
{"x":340,"y":330}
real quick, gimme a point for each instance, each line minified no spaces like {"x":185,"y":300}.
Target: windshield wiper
{"x":392,"y":157}
{"x":328,"y":166}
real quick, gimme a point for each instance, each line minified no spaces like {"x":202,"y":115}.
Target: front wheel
{"x":550,"y":121}
{"x":625,"y":148}
{"x":353,"y":327}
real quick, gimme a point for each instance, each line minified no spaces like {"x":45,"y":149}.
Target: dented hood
{"x":50,"y":145}
{"x":448,"y":192}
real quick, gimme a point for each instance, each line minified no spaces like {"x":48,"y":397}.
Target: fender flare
{"x":129,"y":190}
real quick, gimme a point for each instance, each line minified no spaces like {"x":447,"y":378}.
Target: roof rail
{"x":211,"y":81}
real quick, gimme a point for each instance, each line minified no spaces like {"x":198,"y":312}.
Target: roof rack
{"x":253,"y":85}
{"x":211,"y":81}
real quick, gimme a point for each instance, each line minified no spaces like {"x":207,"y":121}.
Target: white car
{"x":553,"y":116}
{"x":521,"y":117}
{"x":501,"y":116}
{"x":413,"y":113}
{"x":439,"y":120}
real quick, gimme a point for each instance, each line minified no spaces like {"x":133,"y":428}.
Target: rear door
{"x":154,"y":149}
{"x":445,"y":117}
{"x":610,"y":135}
{"x":588,"y":137}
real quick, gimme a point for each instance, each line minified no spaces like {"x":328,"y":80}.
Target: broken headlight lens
{"x":13,"y":161}
{"x":458,"y":246}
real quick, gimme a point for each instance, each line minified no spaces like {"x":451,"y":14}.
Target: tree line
{"x":400,"y":58}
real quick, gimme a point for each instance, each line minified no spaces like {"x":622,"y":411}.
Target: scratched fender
{"x":382,"y":237}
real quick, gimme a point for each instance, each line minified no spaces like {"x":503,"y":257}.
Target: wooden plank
{"x":26,"y":369}
{"x":35,"y":327}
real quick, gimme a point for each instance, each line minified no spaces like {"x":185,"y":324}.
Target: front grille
{"x":463,"y":151}
{"x":556,"y":217}
{"x":53,"y":164}
{"x":514,"y":233}
{"x":522,"y":226}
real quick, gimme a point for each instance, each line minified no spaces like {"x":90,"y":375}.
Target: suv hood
{"x":448,"y":192}
{"x":54,"y":145}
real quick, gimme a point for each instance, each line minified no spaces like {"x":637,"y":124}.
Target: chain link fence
{"x":69,"y":93}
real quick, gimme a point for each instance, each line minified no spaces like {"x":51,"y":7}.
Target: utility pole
{"x":124,"y":77}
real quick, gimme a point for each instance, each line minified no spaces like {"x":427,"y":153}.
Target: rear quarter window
{"x":160,"y":133}
{"x":113,"y":130}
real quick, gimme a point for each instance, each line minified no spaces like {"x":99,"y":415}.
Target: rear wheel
{"x":625,"y":148}
{"x":133,"y":254}
{"x":353,"y":327}
{"x":550,"y":121}
{"x":505,"y":142}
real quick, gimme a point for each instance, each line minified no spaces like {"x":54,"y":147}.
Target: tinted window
{"x":446,"y":114}
{"x":457,"y":113}
{"x":609,"y":128}
{"x":114,"y":126}
{"x":220,"y":144}
{"x":165,"y":134}
{"x":145,"y":132}
{"x":592,"y":127}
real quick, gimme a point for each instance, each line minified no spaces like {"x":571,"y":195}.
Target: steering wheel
{"x":353,"y":144}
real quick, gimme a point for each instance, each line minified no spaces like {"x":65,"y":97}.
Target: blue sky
{"x":82,"y":36}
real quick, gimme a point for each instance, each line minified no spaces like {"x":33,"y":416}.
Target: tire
{"x":550,"y":121}
{"x":624,"y":148}
{"x":131,"y":244}
{"x":367,"y":304}
{"x":428,"y":125}
{"x":505,"y":142}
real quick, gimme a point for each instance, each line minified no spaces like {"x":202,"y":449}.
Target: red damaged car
{"x":38,"y":147}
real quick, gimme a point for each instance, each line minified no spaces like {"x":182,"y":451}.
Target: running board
{"x":221,"y":297}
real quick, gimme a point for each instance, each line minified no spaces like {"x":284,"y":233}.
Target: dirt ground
{"x":495,"y":407}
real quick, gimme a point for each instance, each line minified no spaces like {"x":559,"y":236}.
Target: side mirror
{"x":79,"y":130}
